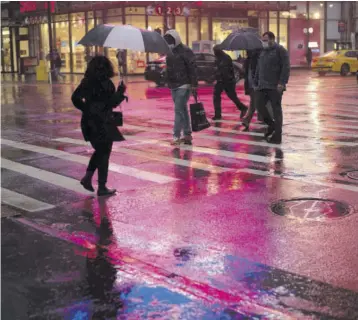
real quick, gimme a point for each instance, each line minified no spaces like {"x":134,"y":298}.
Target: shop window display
{"x":6,"y":49}
{"x":193,"y":27}
{"x":282,"y":39}
{"x":136,"y":60}
{"x":223,"y":27}
{"x":155,"y":23}
{"x":180,"y":26}
{"x":204,"y":28}
{"x":62,"y":40}
{"x":273,"y":22}
{"x":78,"y":29}
{"x":114,"y":17}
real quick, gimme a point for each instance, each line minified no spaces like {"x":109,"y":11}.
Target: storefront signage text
{"x":176,"y":11}
{"x":35,"y":20}
{"x":33,"y":6}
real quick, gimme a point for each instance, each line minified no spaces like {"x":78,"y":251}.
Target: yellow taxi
{"x":342,"y":61}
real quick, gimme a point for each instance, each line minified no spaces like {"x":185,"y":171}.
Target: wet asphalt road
{"x":191,"y":233}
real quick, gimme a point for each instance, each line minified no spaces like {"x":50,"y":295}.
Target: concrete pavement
{"x":191,"y":233}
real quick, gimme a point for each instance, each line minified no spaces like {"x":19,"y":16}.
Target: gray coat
{"x":273,"y":68}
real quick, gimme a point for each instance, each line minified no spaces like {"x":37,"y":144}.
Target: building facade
{"x":297,"y":25}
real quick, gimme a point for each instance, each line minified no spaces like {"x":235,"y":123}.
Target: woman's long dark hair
{"x":100,"y":67}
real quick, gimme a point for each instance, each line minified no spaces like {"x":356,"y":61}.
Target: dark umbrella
{"x":244,"y":39}
{"x":125,"y":37}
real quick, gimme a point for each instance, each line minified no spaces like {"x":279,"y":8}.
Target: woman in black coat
{"x":96,"y":97}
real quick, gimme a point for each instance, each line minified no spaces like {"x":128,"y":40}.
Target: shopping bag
{"x":198,"y":117}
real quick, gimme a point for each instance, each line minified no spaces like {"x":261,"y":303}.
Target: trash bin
{"x":42,"y":71}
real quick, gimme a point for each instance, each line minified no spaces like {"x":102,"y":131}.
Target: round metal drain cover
{"x":353,"y":175}
{"x":312,"y":209}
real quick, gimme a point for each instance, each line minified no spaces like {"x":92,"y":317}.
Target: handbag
{"x":199,"y":121}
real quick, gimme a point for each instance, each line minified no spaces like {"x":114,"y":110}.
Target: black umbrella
{"x":243,"y":39}
{"x":125,"y":37}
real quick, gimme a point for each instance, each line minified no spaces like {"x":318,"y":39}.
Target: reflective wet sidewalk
{"x":229,"y":228}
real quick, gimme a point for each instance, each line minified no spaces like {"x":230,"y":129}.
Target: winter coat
{"x":181,"y":65}
{"x":251,"y":64}
{"x":225,"y":69}
{"x":96,"y":99}
{"x":273,"y":68}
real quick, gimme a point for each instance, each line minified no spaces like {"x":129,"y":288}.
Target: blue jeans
{"x":181,"y":120}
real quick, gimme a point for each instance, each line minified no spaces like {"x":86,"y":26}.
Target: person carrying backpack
{"x":271,"y":77}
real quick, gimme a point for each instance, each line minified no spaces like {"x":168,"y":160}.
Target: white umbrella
{"x":125,"y":37}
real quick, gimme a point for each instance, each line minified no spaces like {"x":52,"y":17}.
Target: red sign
{"x":32,"y":6}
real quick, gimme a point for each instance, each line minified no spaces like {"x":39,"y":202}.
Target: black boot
{"x":104,"y":191}
{"x":86,"y":181}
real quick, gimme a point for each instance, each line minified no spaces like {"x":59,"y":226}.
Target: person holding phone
{"x":96,"y":97}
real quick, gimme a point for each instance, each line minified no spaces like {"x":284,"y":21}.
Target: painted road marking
{"x":129,"y":171}
{"x":215,"y":152}
{"x":227,"y":139}
{"x":23,"y":202}
{"x":149,"y":155}
{"x":330,"y":132}
{"x":300,"y":179}
{"x":46,"y":176}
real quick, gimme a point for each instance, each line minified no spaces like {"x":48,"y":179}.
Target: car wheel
{"x":345,"y":70}
{"x":322,"y":73}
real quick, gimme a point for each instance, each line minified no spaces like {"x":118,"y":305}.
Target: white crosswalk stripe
{"x":139,"y":174}
{"x":49,"y":177}
{"x":23,"y":202}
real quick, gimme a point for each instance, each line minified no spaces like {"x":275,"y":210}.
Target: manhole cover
{"x":312,"y":209}
{"x":353,"y":175}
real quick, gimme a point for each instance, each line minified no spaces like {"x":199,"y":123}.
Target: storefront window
{"x":316,"y":10}
{"x":180,"y":26}
{"x":193,"y":27}
{"x":155,"y":23}
{"x":14,"y":54}
{"x":45,"y":44}
{"x":301,"y":10}
{"x":78,"y":51}
{"x":6,"y":49}
{"x":62,"y":41}
{"x":223,"y":27}
{"x":114,"y":17}
{"x":136,"y":61}
{"x":333,"y":10}
{"x":273,"y":22}
{"x":204,"y":28}
{"x":263,"y":21}
{"x":283,"y":37}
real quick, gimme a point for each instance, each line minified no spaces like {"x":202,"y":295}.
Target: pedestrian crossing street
{"x":320,"y":141}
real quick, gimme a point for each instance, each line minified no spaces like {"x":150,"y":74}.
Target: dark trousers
{"x":100,"y":160}
{"x":275,"y":97}
{"x":230,"y":90}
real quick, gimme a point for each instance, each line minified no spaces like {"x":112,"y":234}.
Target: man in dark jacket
{"x":182,"y":80}
{"x":271,"y":77}
{"x":225,"y":81}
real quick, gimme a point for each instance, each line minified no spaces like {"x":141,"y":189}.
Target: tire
{"x":322,"y":73}
{"x":345,"y":70}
